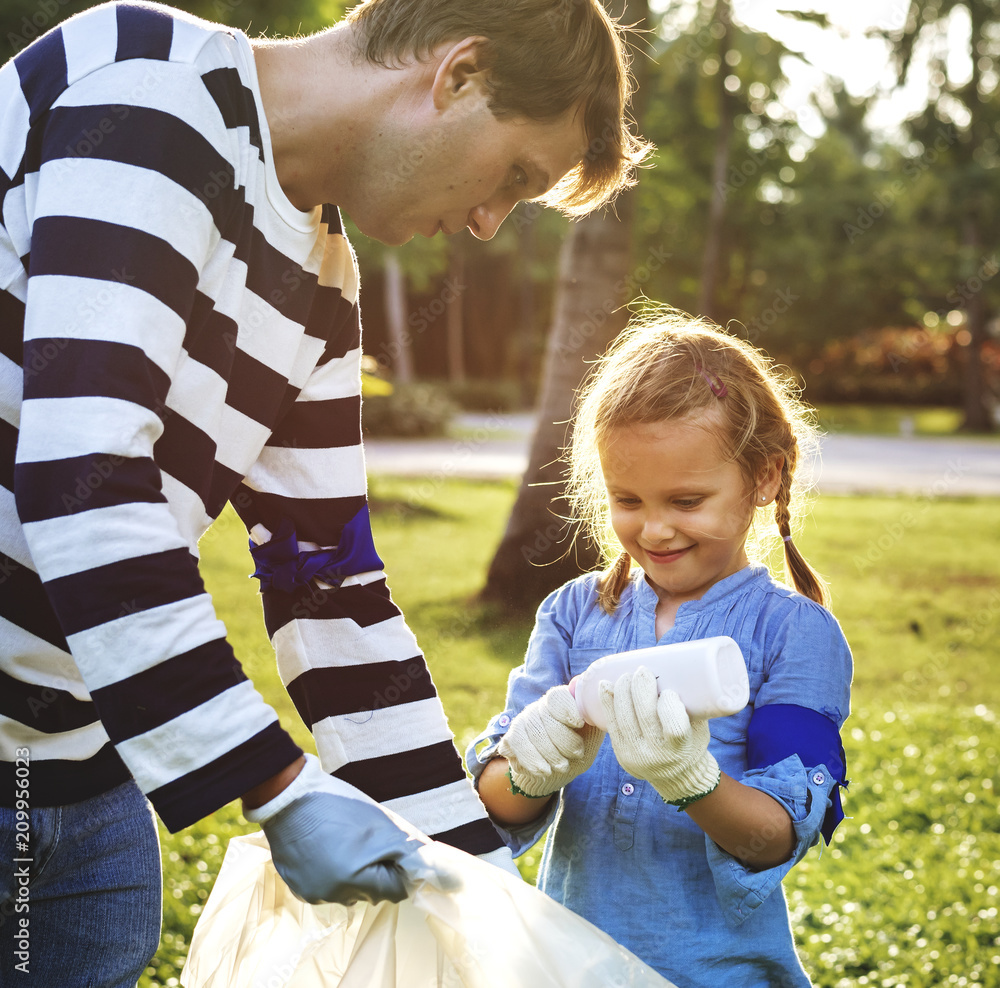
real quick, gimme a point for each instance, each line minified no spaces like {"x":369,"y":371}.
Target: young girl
{"x":672,"y":834}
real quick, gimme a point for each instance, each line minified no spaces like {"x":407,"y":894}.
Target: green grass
{"x":907,"y":893}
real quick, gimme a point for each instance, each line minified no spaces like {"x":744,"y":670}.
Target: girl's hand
{"x":549,"y":744}
{"x":654,"y":738}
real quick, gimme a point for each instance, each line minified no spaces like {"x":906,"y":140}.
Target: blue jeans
{"x":84,"y":911}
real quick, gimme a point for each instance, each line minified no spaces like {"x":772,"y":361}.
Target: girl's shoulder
{"x":797,"y":652}
{"x":582,"y":585}
{"x":575,"y":608}
{"x":582,"y":591}
{"x":786,"y":618}
{"x":776,"y":597}
{"x":755,"y":599}
{"x":575,"y":596}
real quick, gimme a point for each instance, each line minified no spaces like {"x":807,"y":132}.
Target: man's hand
{"x":549,"y":744}
{"x":329,"y":846}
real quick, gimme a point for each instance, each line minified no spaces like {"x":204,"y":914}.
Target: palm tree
{"x":537,"y":552}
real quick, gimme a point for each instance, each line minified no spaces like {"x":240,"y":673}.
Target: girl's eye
{"x":626,"y":502}
{"x":691,"y":502}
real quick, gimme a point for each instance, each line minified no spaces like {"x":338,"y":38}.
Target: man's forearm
{"x":269,"y":788}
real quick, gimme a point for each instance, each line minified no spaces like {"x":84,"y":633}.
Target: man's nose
{"x":485,"y":219}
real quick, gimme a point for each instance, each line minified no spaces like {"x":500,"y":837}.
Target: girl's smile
{"x":679,"y":506}
{"x":667,"y":555}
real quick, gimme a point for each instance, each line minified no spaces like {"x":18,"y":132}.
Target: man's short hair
{"x":543,"y":58}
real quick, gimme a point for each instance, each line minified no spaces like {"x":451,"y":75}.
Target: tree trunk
{"x":526,"y":304}
{"x":456,"y":347}
{"x":712,"y":259}
{"x":977,"y":399}
{"x":395,"y":317}
{"x":536,"y":554}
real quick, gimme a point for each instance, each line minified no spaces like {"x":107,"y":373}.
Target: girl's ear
{"x":769,"y":482}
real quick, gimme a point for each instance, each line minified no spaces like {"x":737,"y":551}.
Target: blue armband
{"x":281,"y":566}
{"x":778,"y":730}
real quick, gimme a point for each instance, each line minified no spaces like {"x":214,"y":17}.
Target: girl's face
{"x":680,"y":509}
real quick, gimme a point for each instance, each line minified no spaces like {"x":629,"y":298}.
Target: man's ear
{"x":459,"y":72}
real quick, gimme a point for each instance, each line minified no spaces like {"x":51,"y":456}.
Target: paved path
{"x":496,"y":446}
{"x":889,"y":464}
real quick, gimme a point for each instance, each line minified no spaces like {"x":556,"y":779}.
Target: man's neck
{"x":313,"y":100}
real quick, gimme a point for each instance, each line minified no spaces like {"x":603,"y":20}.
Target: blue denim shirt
{"x":635,"y":866}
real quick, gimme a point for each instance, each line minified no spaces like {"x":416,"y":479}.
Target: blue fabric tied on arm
{"x":778,"y":730}
{"x":281,"y":566}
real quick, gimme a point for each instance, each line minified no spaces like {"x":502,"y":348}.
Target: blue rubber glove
{"x":331,"y":843}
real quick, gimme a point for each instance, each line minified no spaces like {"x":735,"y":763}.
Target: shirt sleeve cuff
{"x":806,"y":794}
{"x":479,"y":752}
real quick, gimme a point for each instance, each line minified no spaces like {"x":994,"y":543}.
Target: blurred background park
{"x":826,"y":184}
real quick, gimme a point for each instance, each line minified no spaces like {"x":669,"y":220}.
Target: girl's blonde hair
{"x":667,"y":364}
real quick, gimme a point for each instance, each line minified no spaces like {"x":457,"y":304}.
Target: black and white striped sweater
{"x":174,"y":335}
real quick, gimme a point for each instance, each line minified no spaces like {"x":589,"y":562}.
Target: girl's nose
{"x":658,"y":528}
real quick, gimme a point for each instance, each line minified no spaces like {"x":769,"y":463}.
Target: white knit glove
{"x":549,"y":744}
{"x":654,"y":739}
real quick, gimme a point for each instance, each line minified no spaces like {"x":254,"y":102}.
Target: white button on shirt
{"x":628,"y":789}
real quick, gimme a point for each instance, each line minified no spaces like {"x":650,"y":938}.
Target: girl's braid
{"x":805,"y":579}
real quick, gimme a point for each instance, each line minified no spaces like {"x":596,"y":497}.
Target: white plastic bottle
{"x":709,"y":675}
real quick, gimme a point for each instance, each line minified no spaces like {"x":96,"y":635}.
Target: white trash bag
{"x":466,"y":924}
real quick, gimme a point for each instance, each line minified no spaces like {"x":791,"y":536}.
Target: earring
{"x":763,"y":499}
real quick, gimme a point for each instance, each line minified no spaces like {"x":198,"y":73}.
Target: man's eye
{"x":520,"y":177}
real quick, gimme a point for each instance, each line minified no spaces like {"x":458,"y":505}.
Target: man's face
{"x":465,"y":168}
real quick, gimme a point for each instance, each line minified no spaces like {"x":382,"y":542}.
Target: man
{"x":179,"y":328}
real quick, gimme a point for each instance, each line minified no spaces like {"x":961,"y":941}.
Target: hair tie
{"x":712,"y":380}
{"x":786,"y":538}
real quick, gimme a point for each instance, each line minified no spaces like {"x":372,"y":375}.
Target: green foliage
{"x":483,"y":396}
{"x":372,"y":382}
{"x":410,"y":410}
{"x":682,"y":119}
{"x":421,"y":260}
{"x":21,"y":21}
{"x":825,"y":237}
{"x":907,"y":892}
